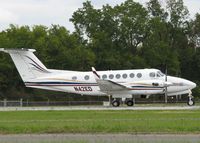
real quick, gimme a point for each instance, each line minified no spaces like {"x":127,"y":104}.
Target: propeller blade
{"x":166,"y":94}
{"x":165,"y":81}
{"x":166,"y":73}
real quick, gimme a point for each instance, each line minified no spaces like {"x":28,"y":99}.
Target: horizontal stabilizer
{"x":16,"y":50}
{"x":2,"y":50}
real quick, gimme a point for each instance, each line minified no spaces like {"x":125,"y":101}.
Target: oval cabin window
{"x":124,"y":75}
{"x":87,"y":77}
{"x":111,"y":76}
{"x":104,"y":76}
{"x":74,"y":78}
{"x":139,"y":75}
{"x":118,"y":76}
{"x":132,"y":75}
{"x":152,"y":74}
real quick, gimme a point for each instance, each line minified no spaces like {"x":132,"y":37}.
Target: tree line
{"x":125,"y":36}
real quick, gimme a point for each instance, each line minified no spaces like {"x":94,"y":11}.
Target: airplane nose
{"x":191,"y":84}
{"x":183,"y":84}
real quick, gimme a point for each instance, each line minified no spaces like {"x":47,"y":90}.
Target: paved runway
{"x":100,"y":138}
{"x":99,"y":108}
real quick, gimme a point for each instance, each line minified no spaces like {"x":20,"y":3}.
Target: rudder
{"x":27,"y":64}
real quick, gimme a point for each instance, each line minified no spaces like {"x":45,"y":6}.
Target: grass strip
{"x":178,"y":121}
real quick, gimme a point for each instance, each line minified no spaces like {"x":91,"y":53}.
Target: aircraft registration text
{"x":81,"y":88}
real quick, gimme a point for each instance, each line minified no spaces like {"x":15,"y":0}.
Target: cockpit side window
{"x":159,"y":74}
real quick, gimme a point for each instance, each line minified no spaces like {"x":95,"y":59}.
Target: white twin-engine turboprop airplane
{"x":120,"y":84}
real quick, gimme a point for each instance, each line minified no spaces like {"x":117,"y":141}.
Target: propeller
{"x":166,"y":82}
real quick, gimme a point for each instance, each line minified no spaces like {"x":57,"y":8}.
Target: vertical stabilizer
{"x":27,"y":64}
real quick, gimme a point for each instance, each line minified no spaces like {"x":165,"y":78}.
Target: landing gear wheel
{"x":191,"y":101}
{"x":129,"y":103}
{"x":115,"y":103}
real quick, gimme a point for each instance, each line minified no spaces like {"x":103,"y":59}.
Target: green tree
{"x":155,"y":10}
{"x":113,"y":33}
{"x":178,"y":13}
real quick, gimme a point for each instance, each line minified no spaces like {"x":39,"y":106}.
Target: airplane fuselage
{"x":141,"y":82}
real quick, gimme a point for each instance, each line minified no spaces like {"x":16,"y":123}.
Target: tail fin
{"x":27,"y":64}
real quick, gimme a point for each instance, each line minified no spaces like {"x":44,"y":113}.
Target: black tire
{"x":129,"y":103}
{"x":191,"y":102}
{"x":115,"y":103}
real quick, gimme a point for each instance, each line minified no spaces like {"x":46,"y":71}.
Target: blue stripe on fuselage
{"x":52,"y":83}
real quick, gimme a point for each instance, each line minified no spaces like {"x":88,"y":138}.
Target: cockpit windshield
{"x":160,"y":74}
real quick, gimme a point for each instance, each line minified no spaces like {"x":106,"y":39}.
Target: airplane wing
{"x":108,"y":85}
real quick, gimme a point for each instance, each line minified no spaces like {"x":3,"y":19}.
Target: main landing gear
{"x":191,"y":101}
{"x":129,"y":102}
{"x":116,"y":102}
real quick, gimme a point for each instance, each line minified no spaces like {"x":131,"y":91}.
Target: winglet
{"x":95,"y":73}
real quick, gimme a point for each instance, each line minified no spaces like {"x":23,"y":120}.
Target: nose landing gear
{"x":191,"y":101}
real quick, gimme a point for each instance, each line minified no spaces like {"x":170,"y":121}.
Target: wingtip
{"x":93,"y":69}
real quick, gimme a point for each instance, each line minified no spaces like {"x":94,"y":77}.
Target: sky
{"x":47,"y":12}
